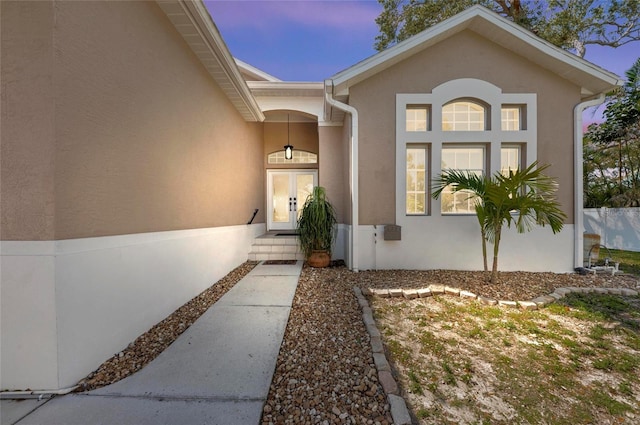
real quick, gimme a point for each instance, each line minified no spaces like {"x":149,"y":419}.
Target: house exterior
{"x":135,"y":150}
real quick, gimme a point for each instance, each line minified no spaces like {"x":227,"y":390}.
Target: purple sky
{"x":310,"y":40}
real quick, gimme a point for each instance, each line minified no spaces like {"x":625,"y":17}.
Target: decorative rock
{"x":451,"y":291}
{"x":488,"y":301}
{"x":528,"y":305}
{"x":543,"y":301}
{"x":556,"y":295}
{"x":399,"y":411}
{"x":629,"y":292}
{"x":512,"y":304}
{"x":373,"y":330}
{"x":367,"y":291}
{"x":376,"y":345}
{"x":357,"y":291}
{"x":368,"y":319}
{"x":615,"y":291}
{"x":382,"y":293}
{"x":381,"y":362}
{"x":389,"y":384}
{"x":395,"y":293}
{"x":410,"y":293}
{"x":366,"y":309}
{"x":436,"y":289}
{"x":467,"y":294}
{"x":424,"y":292}
{"x":600,"y":290}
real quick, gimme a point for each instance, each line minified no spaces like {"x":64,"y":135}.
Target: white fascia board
{"x":255,"y":72}
{"x":228,"y":76}
{"x":286,"y":88}
{"x":385,"y":59}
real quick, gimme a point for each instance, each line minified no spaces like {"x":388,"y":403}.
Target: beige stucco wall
{"x":26,"y":121}
{"x":143,"y":139}
{"x":330,"y":173}
{"x":301,"y":135}
{"x":465,"y":55}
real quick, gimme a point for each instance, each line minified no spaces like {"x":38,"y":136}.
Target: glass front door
{"x":286,"y":193}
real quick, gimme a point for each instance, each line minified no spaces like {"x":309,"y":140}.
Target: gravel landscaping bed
{"x":515,"y":286}
{"x":325,"y":373}
{"x":153,"y":342}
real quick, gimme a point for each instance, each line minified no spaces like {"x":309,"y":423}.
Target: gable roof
{"x":251,"y":73}
{"x":592,"y":79}
{"x":194,"y":23}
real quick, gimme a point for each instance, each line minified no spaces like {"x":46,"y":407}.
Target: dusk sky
{"x":310,"y":40}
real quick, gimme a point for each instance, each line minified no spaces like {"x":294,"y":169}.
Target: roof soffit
{"x":591,"y":78}
{"x":193,"y":22}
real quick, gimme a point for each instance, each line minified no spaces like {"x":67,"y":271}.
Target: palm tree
{"x":476,"y":186}
{"x":523,"y":197}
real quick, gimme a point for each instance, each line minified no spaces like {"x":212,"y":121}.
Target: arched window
{"x":464,"y":116}
{"x":299,"y":157}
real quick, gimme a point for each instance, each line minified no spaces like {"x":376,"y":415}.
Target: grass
{"x":629,"y":260}
{"x":576,"y":362}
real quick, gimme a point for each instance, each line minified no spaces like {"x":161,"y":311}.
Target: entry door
{"x":286,"y":193}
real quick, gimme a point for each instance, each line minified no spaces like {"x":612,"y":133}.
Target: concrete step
{"x":271,"y":247}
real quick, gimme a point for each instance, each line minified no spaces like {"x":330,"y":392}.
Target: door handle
{"x":295,"y":204}
{"x":290,"y":204}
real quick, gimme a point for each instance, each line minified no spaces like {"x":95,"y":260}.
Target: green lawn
{"x":461,"y":362}
{"x":629,"y":260}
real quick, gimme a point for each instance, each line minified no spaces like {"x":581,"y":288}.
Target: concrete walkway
{"x":216,"y":372}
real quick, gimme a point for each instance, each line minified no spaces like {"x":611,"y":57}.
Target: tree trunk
{"x":496,"y":247}
{"x":484,"y":251}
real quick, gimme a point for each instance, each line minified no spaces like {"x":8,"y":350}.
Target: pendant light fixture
{"x":288,"y":149}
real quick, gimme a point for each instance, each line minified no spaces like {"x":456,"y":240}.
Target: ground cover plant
{"x":459,"y":361}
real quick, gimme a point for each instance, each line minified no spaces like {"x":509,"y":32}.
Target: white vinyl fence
{"x":619,"y":228}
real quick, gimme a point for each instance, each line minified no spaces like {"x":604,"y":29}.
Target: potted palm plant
{"x":316,"y":228}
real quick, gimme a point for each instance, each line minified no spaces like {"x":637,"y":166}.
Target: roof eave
{"x":192,"y":20}
{"x":343,"y":80}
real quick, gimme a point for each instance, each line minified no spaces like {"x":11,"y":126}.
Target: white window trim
{"x":464,"y":88}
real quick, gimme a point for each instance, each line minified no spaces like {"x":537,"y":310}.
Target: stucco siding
{"x":27,"y":135}
{"x":465,"y":55}
{"x":146,"y":141}
{"x":331,"y":166}
{"x":302,"y":136}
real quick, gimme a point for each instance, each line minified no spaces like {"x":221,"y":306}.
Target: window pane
{"x":511,"y":118}
{"x":416,"y":119}
{"x":469,"y":159}
{"x":463,"y":116}
{"x":416,"y":181}
{"x":509,"y":159}
{"x":299,"y":157}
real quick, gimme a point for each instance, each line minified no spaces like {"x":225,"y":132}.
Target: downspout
{"x":578,"y":196}
{"x":328,"y":95}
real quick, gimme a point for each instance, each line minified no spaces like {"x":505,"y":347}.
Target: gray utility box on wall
{"x":392,"y":232}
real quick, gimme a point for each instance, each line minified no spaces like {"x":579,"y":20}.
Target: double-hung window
{"x":417,"y":180}
{"x":468,"y":125}
{"x":470,"y":160}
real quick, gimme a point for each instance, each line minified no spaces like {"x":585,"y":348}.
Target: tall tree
{"x":522,"y":198}
{"x":569,"y":24}
{"x":612,"y":149}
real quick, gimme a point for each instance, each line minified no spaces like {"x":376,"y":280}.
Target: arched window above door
{"x":299,"y":157}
